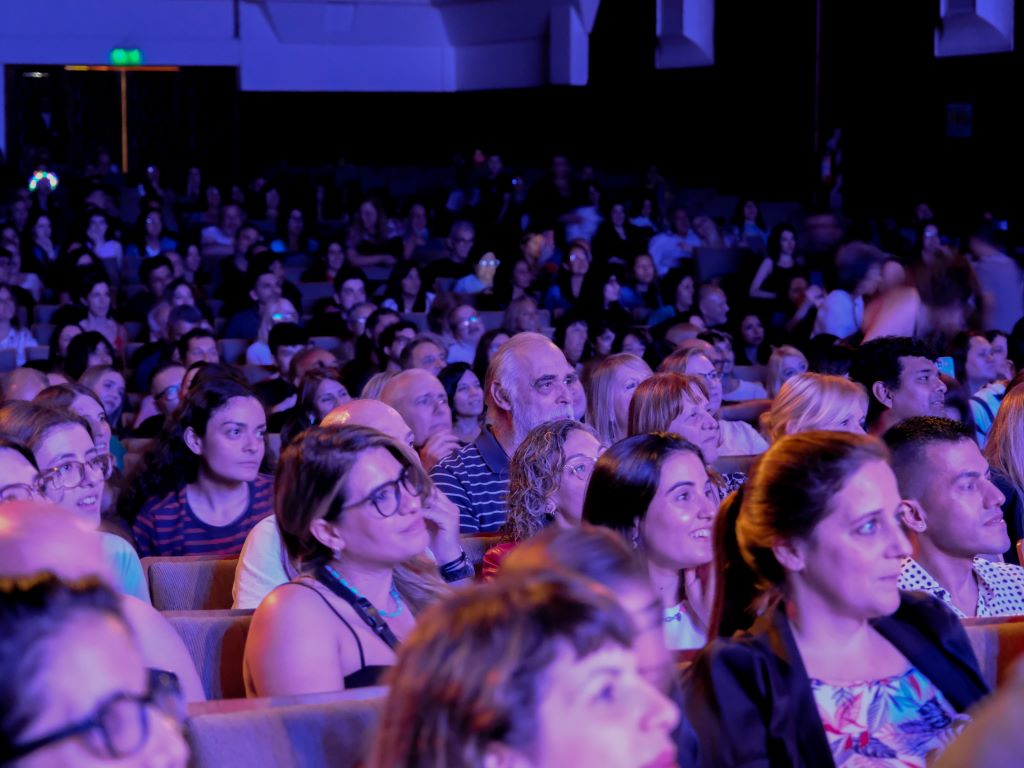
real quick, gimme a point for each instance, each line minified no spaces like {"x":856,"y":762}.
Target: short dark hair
{"x":879,"y":360}
{"x":908,"y":441}
{"x":286,"y":335}
{"x":349,"y":273}
{"x":195,"y":333}
{"x":387,"y":336}
{"x":261,"y":265}
{"x":152,"y":264}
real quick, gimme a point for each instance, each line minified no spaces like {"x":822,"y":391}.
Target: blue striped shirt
{"x":168,"y":526}
{"x":475,"y":478}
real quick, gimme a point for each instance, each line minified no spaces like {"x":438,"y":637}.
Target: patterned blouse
{"x":895,"y":721}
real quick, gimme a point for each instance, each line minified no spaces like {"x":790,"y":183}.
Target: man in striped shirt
{"x":528,"y":383}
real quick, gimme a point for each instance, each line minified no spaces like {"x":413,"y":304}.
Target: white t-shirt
{"x":681,"y":634}
{"x":747,"y":390}
{"x":262,"y":565}
{"x":739,"y":439}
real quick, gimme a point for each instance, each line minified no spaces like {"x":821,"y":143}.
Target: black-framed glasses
{"x":387,"y":498}
{"x":119,"y":727}
{"x":71,"y":474}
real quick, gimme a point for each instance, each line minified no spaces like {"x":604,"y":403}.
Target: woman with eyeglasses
{"x":736,"y":438}
{"x":198,"y":489}
{"x":76,"y":691}
{"x":52,"y":454}
{"x":548,"y":477}
{"x":349,"y":503}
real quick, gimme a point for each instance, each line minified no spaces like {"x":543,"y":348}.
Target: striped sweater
{"x":169,"y":527}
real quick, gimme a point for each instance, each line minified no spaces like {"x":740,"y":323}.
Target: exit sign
{"x":126,"y":57}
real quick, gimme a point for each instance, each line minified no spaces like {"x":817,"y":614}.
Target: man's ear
{"x":501,"y":396}
{"x":253,"y":296}
{"x":193,"y":441}
{"x":882,"y":393}
{"x":791,"y":554}
{"x":914,"y":515}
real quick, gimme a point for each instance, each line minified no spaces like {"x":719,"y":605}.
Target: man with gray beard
{"x":528,"y":382}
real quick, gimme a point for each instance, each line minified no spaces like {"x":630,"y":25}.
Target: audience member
{"x":953,"y":513}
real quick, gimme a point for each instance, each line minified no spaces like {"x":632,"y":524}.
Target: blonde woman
{"x":610,"y":390}
{"x":785,"y":363}
{"x":1005,"y":454}
{"x":811,"y":401}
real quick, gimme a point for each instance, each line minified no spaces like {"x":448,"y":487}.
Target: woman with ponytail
{"x":830,"y":664}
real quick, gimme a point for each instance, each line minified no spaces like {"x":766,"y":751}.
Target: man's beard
{"x":524,"y":419}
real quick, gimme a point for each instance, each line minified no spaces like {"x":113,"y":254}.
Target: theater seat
{"x":216,"y":641}
{"x":189,"y":583}
{"x":997,"y":643}
{"x":330,"y":734}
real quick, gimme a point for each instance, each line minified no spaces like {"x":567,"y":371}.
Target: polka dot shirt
{"x":1000,"y":586}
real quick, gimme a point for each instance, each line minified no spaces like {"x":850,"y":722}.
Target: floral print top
{"x":895,"y":721}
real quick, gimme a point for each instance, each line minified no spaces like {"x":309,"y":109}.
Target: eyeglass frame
{"x":34,"y":490}
{"x":159,"y":684}
{"x":90,"y":463}
{"x":403,"y":480}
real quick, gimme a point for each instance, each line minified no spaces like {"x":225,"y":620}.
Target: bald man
{"x":420,"y":398}
{"x":24,"y":384}
{"x":39,"y":536}
{"x":263,"y":564}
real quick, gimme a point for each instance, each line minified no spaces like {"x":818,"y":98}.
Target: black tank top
{"x":366,"y":675}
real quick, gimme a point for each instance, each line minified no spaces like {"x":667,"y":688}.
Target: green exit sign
{"x":126,"y":57}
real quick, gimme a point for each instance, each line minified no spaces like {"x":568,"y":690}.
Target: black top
{"x":750,"y":702}
{"x":367,"y":675}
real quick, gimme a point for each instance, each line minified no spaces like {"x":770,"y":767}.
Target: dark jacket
{"x":749,"y":699}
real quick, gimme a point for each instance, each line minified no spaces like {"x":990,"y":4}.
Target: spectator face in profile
{"x":957,"y":510}
{"x":202,"y":349}
{"x":422,"y":402}
{"x":166,"y":388}
{"x":697,"y":424}
{"x":428,"y":356}
{"x":543,"y":386}
{"x":74,"y":671}
{"x":352,"y":292}
{"x":20,"y":477}
{"x":714,"y":307}
{"x":702,"y":365}
{"x":466,"y":325}
{"x":920,"y":392}
{"x":73,"y":471}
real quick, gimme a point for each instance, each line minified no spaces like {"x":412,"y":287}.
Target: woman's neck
{"x":5,"y":327}
{"x":826,"y":637}
{"x":665,"y":582}
{"x":215,"y":494}
{"x":785,"y":260}
{"x":371,"y":580}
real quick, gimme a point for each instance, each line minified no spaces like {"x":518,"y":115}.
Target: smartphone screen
{"x":945,"y":366}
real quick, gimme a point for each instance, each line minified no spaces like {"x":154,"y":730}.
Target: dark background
{"x":751,"y":124}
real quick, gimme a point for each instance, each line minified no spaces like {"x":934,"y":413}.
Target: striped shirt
{"x":475,"y":478}
{"x":170,"y":527}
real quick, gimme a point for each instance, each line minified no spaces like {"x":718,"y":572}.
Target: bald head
{"x":24,"y":384}
{"x":373,"y":414}
{"x":421,"y":400}
{"x":37,"y":536}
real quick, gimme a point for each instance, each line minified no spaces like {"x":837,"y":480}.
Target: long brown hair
{"x":788,"y":493}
